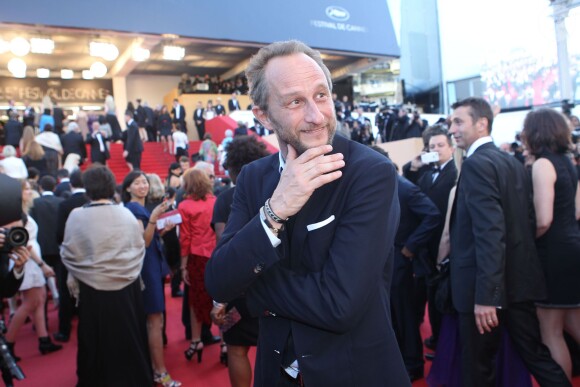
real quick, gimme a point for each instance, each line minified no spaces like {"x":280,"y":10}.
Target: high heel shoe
{"x":224,"y":354}
{"x":164,"y":379}
{"x":195,"y":347}
{"x":45,"y":345}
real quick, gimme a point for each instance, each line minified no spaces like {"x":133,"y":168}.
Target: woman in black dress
{"x":164,"y":128}
{"x":547,"y":137}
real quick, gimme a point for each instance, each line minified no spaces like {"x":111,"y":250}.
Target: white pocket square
{"x":314,"y":226}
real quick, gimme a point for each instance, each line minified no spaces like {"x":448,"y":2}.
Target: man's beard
{"x":292,"y":139}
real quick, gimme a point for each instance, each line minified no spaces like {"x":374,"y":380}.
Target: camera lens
{"x":17,"y":236}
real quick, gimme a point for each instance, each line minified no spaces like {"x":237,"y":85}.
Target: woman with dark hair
{"x":134,"y":193}
{"x":104,"y":277}
{"x":174,"y":176}
{"x":197,"y":244}
{"x":547,"y":137}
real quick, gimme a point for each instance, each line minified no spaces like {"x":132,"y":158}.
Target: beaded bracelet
{"x":271,"y":213}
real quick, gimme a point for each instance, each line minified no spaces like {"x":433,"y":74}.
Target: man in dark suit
{"x":310,"y":237}
{"x":199,"y":120}
{"x":178,"y":113}
{"x":419,"y":220}
{"x":13,"y":130}
{"x":233,"y":103}
{"x":63,"y":188}
{"x":44,"y":211}
{"x":150,"y":123}
{"x":58,"y":116}
{"x":28,"y":115}
{"x":73,"y":142}
{"x":436,"y":183}
{"x":66,"y":302}
{"x":495,"y":273}
{"x":220,"y":109}
{"x":133,"y":147}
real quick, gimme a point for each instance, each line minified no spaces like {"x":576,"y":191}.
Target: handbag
{"x":441,"y":282}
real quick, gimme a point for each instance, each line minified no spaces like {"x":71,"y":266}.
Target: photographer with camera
{"x":13,"y":252}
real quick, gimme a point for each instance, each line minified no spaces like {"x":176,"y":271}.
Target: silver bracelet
{"x":271,"y":213}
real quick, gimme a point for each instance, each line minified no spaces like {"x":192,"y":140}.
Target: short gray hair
{"x":256,"y":69}
{"x":9,"y":151}
{"x":72,"y":126}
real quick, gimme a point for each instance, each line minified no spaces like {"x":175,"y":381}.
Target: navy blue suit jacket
{"x":329,"y":284}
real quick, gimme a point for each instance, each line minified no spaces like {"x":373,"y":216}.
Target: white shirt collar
{"x":477,"y":143}
{"x":78,"y":190}
{"x":445,"y":163}
{"x":47,"y":193}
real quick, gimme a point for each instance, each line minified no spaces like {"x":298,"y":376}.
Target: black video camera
{"x":15,"y":237}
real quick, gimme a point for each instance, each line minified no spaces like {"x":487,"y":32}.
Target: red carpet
{"x":58,"y":369}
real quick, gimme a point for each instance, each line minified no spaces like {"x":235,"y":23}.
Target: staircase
{"x":153,"y":159}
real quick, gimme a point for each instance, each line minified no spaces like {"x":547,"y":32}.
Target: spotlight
{"x":43,"y":73}
{"x":173,"y":52}
{"x":17,"y":67}
{"x":140,"y":54}
{"x":66,"y":74}
{"x":41,"y":45}
{"x":19,"y":46}
{"x":98,"y":69}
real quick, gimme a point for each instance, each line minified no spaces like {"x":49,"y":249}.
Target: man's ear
{"x":262,"y":116}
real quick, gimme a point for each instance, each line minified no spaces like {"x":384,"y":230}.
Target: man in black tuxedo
{"x":436,"y":183}
{"x":495,"y":272}
{"x":220,"y":109}
{"x":178,"y":113}
{"x":73,"y":142}
{"x":233,"y":103}
{"x":133,"y":147}
{"x":58,"y":115}
{"x":419,"y":220}
{"x":29,"y":115}
{"x":199,"y":120}
{"x":66,"y":303}
{"x":63,"y":187}
{"x":150,"y":123}
{"x":44,"y":211}
{"x":309,"y":240}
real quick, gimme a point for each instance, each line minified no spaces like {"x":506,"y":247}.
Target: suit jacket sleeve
{"x":9,"y":285}
{"x":488,"y":227}
{"x":420,"y":205}
{"x":334,"y":297}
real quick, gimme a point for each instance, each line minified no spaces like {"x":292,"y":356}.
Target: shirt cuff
{"x":273,"y":238}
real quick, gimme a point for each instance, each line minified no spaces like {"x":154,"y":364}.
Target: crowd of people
{"x":213,"y":85}
{"x":322,"y":255}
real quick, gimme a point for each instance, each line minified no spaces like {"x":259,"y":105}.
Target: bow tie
{"x":436,"y":168}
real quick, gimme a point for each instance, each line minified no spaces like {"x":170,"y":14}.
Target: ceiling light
{"x":140,"y":54}
{"x":4,"y":46}
{"x":107,"y":51}
{"x":98,"y":69}
{"x":19,"y":46}
{"x":43,"y":73}
{"x":173,"y":52}
{"x":66,"y":74}
{"x":88,"y":74}
{"x":17,"y":67}
{"x":41,"y":45}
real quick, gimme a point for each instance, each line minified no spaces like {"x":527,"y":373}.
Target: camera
{"x":15,"y":237}
{"x":429,"y":157}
